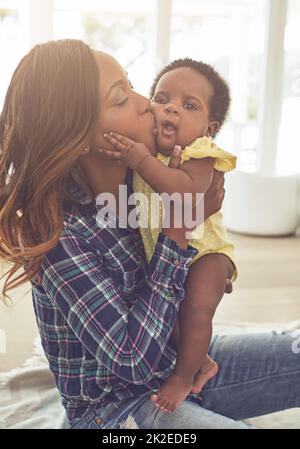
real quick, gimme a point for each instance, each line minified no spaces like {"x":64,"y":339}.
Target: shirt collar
{"x":84,"y":198}
{"x":78,"y":193}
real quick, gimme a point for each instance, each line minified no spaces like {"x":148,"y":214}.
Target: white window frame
{"x":271,"y":100}
{"x":271,"y":104}
{"x":36,"y":21}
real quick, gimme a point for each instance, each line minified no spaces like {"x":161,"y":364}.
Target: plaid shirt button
{"x":170,"y":297}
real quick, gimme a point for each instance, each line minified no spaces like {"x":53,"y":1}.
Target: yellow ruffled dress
{"x":211,"y":236}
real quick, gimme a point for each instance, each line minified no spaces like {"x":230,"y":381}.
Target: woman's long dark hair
{"x":50,"y":114}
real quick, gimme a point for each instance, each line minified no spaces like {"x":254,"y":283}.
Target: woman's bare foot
{"x":208,"y":370}
{"x":172,"y":393}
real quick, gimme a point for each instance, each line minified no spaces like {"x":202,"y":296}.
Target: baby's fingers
{"x":120,"y":142}
{"x":111,"y":154}
{"x":115,"y":143}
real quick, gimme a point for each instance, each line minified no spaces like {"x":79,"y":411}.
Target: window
{"x":230,"y":36}
{"x":123,"y":29}
{"x":10,"y":49}
{"x":288,"y":160}
{"x":143,"y":35}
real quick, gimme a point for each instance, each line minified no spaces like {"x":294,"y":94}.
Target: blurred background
{"x":255,"y":45}
{"x":144,"y":35}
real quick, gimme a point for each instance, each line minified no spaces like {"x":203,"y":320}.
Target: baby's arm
{"x":195,"y":175}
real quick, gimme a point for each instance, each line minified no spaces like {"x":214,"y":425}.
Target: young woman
{"x":105,"y":317}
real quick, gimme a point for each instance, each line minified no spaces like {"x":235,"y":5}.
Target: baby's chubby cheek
{"x":163,"y":145}
{"x":153,"y":149}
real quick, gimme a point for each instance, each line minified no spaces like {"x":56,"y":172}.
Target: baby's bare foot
{"x":208,"y":370}
{"x":172,"y":393}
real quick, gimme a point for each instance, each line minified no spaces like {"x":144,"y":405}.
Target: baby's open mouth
{"x":168,"y":129}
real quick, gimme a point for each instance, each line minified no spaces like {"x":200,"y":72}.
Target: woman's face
{"x":122,"y":110}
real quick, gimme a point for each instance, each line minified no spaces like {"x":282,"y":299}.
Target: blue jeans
{"x":259,"y":374}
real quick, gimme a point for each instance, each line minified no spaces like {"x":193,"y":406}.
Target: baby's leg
{"x":208,"y":370}
{"x":195,"y":320}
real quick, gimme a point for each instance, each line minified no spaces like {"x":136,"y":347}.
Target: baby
{"x":189,"y":102}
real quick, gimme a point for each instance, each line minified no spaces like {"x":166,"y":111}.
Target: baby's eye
{"x":159,"y":100}
{"x":190,"y":107}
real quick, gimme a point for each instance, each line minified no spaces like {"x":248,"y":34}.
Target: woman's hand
{"x":175,"y":157}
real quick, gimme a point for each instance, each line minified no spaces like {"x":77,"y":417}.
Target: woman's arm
{"x":128,"y":341}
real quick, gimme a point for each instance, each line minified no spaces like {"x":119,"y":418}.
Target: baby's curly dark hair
{"x":219,"y":102}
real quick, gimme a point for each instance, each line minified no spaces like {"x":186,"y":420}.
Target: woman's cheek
{"x":124,"y":122}
{"x":155,"y":109}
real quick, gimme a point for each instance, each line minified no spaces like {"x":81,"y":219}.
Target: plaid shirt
{"x":104,"y":316}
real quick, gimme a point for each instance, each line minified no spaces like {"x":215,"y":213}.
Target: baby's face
{"x":180,"y":105}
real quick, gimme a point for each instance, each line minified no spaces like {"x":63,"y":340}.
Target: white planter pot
{"x":261,"y":204}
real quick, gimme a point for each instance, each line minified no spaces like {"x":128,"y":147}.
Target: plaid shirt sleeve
{"x":129,"y":341}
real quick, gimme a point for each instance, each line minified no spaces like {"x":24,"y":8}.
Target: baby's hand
{"x":127,"y":151}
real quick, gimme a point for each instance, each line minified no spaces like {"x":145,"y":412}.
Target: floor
{"x":267,"y":290}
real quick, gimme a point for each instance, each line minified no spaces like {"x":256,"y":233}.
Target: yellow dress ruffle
{"x":208,"y":238}
{"x":205,"y":147}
